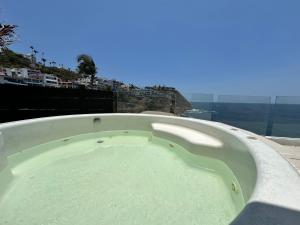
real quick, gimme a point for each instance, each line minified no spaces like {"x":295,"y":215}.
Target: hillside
{"x":171,"y":101}
{"x":9,"y":59}
{"x":182,"y":104}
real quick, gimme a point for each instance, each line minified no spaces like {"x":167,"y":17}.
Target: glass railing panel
{"x":244,"y":99}
{"x":246,"y":112}
{"x":286,"y":116}
{"x":202,"y":106}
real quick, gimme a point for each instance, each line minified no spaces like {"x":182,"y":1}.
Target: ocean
{"x":282,"y":120}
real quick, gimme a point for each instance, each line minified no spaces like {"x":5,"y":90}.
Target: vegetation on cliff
{"x":11,"y":59}
{"x":86,"y":65}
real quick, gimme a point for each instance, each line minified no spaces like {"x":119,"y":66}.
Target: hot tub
{"x":141,"y":169}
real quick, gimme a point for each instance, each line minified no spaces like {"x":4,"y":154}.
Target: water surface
{"x":115,"y":178}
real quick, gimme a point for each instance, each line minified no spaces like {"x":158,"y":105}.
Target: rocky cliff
{"x":163,"y":100}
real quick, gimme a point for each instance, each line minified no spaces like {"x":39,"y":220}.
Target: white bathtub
{"x":270,"y":185}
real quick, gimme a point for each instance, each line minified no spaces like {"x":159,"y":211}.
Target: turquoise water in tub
{"x":119,"y":177}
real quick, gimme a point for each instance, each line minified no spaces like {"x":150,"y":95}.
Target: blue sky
{"x":249,"y":47}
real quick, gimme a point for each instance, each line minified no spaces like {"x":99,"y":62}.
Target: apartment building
{"x":50,"y":80}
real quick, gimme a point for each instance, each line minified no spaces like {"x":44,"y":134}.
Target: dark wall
{"x":24,"y":102}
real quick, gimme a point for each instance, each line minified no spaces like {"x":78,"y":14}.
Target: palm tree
{"x":32,"y":49}
{"x":52,"y":63}
{"x":86,"y":65}
{"x":44,"y":61}
{"x":33,"y":55}
{"x":7,"y":35}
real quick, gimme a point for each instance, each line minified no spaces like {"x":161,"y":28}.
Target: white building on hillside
{"x":2,"y":71}
{"x":50,"y":80}
{"x":66,"y":83}
{"x":19,"y":72}
{"x":1,"y":75}
{"x":86,"y":80}
{"x":35,"y":79}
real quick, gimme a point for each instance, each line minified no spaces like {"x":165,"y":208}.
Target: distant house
{"x":50,"y":80}
{"x":66,"y":83}
{"x":2,"y":71}
{"x":31,"y":72}
{"x":11,"y":72}
{"x":1,"y":75}
{"x":12,"y":76}
{"x":109,"y":83}
{"x":34,"y":80}
{"x":85,"y":80}
{"x":124,"y":87}
{"x":19,"y":73}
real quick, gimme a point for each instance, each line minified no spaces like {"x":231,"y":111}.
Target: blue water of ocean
{"x":282,"y":120}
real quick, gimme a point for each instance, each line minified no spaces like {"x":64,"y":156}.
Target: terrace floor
{"x":290,"y":152}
